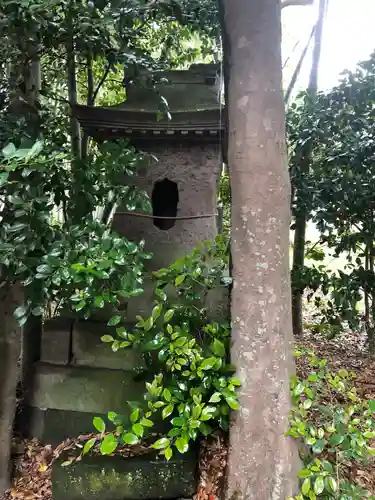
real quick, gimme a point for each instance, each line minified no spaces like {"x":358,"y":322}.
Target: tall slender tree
{"x":304,"y":156}
{"x":262,"y":460}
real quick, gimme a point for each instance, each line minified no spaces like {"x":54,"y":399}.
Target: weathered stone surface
{"x":76,"y":388}
{"x":56,"y":334}
{"x":89,"y":350}
{"x":118,"y":478}
{"x":54,"y":426}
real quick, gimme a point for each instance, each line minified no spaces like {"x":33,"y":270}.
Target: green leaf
{"x":179,"y":280}
{"x":207,"y":413}
{"x":235,"y":381}
{"x":21,"y":311}
{"x":107,"y":338}
{"x":182,"y":445}
{"x":112,"y":416}
{"x":218,"y":348}
{"x":327,"y":466}
{"x":130,"y":438}
{"x":9,"y":150}
{"x":115,"y":320}
{"x":167,"y":395}
{"x":233,"y":403}
{"x":332,"y":484}
{"x":168,"y":453}
{"x":162,"y":443}
{"x":167,"y":411}
{"x":108,"y":445}
{"x":306,"y":486}
{"x":303,"y":473}
{"x":307,"y":404}
{"x":371,"y":405}
{"x":298,"y":389}
{"x":88,"y":445}
{"x":3,"y":178}
{"x":99,"y":424}
{"x":336,"y":439}
{"x":134,"y":416}
{"x":319,"y":485}
{"x":156,"y":312}
{"x":146,"y":422}
{"x":138,"y":429}
{"x":208,"y":363}
{"x":215,"y":398}
{"x":168,"y":315}
{"x":318,"y":447}
{"x":99,"y":302}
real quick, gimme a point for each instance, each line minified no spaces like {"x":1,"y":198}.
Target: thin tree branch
{"x":298,"y":67}
{"x":102,"y":80}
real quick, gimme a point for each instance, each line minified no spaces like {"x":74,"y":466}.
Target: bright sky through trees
{"x":349,"y":37}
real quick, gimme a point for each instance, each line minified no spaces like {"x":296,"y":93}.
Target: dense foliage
{"x":338,"y":192}
{"x":335,"y":428}
{"x":191,"y":382}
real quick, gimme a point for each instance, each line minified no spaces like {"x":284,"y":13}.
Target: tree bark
{"x":11,"y":296}
{"x":262,"y":462}
{"x":75,"y":132}
{"x":301,"y":215}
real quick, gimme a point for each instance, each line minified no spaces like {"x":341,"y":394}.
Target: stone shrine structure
{"x":78,"y":376}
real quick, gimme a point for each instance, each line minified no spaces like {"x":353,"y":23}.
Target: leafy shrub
{"x":335,"y":429}
{"x":77,"y":261}
{"x":191,"y":382}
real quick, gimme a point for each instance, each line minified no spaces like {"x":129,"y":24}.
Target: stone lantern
{"x":78,"y":377}
{"x":185,"y":161}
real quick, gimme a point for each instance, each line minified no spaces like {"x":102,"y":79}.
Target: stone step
{"x":89,"y":350}
{"x":148,"y":477}
{"x":66,"y":399}
{"x":82,"y":389}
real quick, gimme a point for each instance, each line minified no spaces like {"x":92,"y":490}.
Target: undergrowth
{"x":335,"y":428}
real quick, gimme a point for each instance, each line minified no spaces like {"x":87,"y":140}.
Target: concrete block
{"x":95,"y":390}
{"x":89,"y":350}
{"x":56,"y":339}
{"x":119,"y":478}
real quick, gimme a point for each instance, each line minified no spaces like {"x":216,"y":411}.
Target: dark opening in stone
{"x":164,"y":201}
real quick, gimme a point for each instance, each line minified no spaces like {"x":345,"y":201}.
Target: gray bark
{"x":262,"y":462}
{"x":10,"y":350}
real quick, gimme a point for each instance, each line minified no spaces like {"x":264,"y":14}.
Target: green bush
{"x":190,"y":378}
{"x":334,"y":427}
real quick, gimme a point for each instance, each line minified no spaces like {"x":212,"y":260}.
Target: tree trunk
{"x":262,"y":462}
{"x":90,"y":102}
{"x":75,"y":132}
{"x":301,"y":215}
{"x":10,"y":349}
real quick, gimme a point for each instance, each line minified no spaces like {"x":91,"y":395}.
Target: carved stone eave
{"x":205,"y":125}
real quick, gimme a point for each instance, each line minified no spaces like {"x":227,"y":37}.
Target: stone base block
{"x":56,"y":339}
{"x":74,"y":388}
{"x":54,"y":426}
{"x":117,"y":478}
{"x":89,"y":350}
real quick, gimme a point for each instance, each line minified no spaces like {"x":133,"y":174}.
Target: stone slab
{"x":54,"y":426}
{"x":117,"y":478}
{"x":74,"y":388}
{"x":56,"y":340}
{"x":89,"y":350}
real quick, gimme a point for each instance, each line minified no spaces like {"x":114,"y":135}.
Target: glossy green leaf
{"x":99,"y":424}
{"x":108,"y":445}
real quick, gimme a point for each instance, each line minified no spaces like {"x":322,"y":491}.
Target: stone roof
{"x":193,"y":103}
